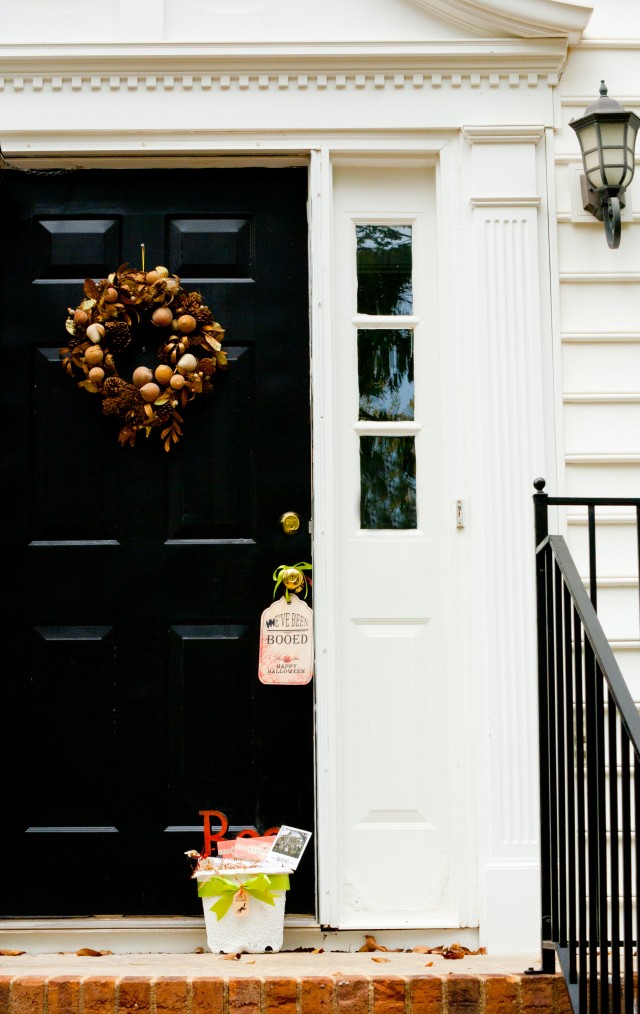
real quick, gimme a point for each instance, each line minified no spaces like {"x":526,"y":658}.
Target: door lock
{"x":290,"y":522}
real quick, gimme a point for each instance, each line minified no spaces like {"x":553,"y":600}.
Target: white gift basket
{"x":251,"y":922}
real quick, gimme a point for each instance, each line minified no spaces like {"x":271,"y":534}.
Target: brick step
{"x":382,"y":993}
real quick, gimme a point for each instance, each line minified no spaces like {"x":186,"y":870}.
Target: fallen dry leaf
{"x":232,"y":957}
{"x":88,"y":952}
{"x":371,"y":944}
{"x":381,"y":960}
{"x":422,"y":950}
{"x":453,"y":955}
{"x":429,"y":964}
{"x":11,"y":954}
{"x":198,"y":950}
{"x":318,"y":950}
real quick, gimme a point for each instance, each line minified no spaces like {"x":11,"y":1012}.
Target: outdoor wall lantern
{"x":607,"y":136}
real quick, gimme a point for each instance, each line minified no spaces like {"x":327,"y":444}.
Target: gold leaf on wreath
{"x":91,"y":289}
{"x":88,"y":386}
{"x":163,"y":399}
{"x":70,"y":326}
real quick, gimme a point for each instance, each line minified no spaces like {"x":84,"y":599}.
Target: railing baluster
{"x":636,"y":866}
{"x":638,"y":557}
{"x":543,"y":580}
{"x":562,"y":773}
{"x":603,"y":922}
{"x":593,"y":574}
{"x":570,"y":770}
{"x":614,"y":846}
{"x":553,"y":771}
{"x":636,"y":795}
{"x":581,"y":812}
{"x":627,"y":901}
{"x":591,"y":749}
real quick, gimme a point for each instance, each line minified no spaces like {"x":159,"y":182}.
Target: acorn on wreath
{"x":104,"y":325}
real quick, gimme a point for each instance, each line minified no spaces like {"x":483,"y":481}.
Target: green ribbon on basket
{"x":260,"y":887}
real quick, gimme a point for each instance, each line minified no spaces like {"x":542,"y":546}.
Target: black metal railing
{"x":589,"y":777}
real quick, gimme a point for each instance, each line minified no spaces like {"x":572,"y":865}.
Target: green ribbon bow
{"x":280,"y":571}
{"x":260,"y":887}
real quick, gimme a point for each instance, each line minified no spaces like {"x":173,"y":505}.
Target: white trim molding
{"x":503,"y":135}
{"x":122,"y":67}
{"x":524,"y":18}
{"x":505,"y":202}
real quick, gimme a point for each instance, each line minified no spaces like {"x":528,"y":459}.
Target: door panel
{"x":137,"y":576}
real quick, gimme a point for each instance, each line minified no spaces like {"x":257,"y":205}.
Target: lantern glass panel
{"x":612,"y":133}
{"x":592,"y":169}
{"x":588,"y":138}
{"x":614,"y":174}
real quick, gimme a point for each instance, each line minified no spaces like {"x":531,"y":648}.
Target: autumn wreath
{"x":132,"y":305}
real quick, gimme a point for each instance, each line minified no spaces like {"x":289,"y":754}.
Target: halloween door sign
{"x":286,"y":642}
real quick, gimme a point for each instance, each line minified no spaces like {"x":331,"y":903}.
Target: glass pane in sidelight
{"x":388,"y":482}
{"x":384,"y":265}
{"x":385,"y":374}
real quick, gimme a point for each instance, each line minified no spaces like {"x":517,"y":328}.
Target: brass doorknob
{"x":290,"y":522}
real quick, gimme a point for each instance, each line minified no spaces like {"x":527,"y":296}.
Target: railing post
{"x":540,"y":510}
{"x":541,"y":532}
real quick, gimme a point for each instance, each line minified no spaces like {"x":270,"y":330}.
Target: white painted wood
{"x":601,"y":342}
{"x":393,"y":675}
{"x":522,"y":18}
{"x":600,"y":365}
{"x":511,"y":331}
{"x":324,"y":553}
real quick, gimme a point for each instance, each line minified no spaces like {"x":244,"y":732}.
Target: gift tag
{"x":240,"y":903}
{"x":286,"y":642}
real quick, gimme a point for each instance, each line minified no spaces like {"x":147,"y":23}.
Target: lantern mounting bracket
{"x":606,"y":208}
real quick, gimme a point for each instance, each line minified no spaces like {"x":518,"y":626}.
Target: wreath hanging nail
{"x":143,"y":307}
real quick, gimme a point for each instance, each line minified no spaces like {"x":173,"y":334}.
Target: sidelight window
{"x":385,"y":339}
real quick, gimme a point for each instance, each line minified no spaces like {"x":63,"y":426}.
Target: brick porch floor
{"x":286,"y":983}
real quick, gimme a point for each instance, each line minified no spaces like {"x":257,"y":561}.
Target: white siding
{"x":599,"y":313}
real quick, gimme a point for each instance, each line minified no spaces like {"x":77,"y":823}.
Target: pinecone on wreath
{"x":117,"y":335}
{"x":208,"y":367}
{"x":113,"y":386}
{"x":192,"y":303}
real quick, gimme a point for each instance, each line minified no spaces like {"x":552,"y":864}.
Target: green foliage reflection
{"x":388,"y":482}
{"x":384,"y":264}
{"x":385,"y":374}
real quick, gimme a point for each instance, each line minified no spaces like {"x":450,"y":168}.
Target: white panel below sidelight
{"x":397,"y":859}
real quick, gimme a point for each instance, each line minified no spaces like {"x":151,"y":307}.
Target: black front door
{"x":134,"y":578}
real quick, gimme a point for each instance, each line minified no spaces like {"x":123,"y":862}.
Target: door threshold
{"x":130,"y":922}
{"x":186,"y":935}
{"x":130,"y":934}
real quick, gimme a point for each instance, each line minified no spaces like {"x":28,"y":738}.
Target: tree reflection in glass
{"x":384,"y":265}
{"x":388,"y":482}
{"x":385,"y":374}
